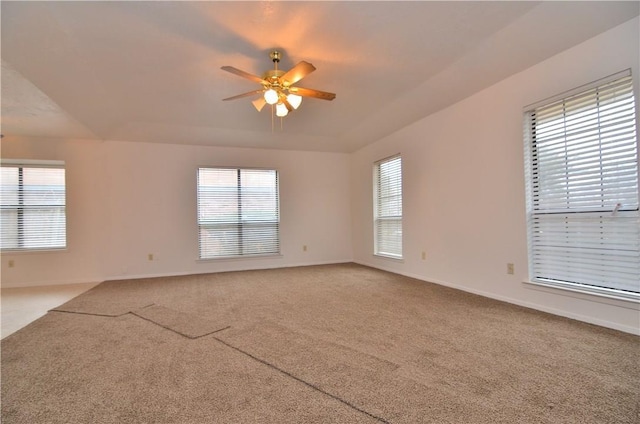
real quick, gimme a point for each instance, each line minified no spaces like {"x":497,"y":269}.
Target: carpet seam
{"x":59,"y":309}
{"x":177,"y":332}
{"x":89,"y":313}
{"x":288,"y":374}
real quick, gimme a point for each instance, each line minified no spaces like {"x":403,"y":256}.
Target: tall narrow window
{"x":238,"y":212}
{"x":32,"y":203}
{"x":388,"y":207}
{"x":582,"y":184}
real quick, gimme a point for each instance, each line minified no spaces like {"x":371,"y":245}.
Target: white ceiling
{"x":150,"y":71}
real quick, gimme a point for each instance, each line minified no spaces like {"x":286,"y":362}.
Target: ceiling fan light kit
{"x":294,"y":100}
{"x":277,"y":86}
{"x":271,"y":96}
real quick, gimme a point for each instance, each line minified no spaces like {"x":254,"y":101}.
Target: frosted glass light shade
{"x":281,"y":110}
{"x":271,"y":96}
{"x":294,"y":100}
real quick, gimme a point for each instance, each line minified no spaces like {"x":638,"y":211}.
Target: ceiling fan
{"x":278,"y":86}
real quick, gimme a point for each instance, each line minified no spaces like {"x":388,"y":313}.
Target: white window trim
{"x":376,"y":253}
{"x":36,"y":163}
{"x":583,"y":291}
{"x":594,"y":292}
{"x":240,"y":257}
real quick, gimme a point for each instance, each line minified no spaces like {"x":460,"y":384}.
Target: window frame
{"x":21,"y":165}
{"x":238,"y":224}
{"x":379,"y":218}
{"x":536,"y":210}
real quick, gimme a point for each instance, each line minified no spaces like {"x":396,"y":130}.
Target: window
{"x":582,"y":190}
{"x":32,"y":199}
{"x":388,"y":207}
{"x":238,"y":212}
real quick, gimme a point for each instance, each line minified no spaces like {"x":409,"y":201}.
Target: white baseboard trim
{"x":542,"y":308}
{"x":97,"y":280}
{"x":209,"y":271}
{"x":90,"y":280}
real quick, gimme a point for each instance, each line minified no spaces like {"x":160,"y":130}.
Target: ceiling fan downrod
{"x":273,"y":75}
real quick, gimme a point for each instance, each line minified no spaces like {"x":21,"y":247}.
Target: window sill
{"x":388,"y":258}
{"x":611,"y":297}
{"x":33,"y":251}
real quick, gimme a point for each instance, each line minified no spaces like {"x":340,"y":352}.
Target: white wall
{"x":464,"y":192}
{"x":127,"y":200}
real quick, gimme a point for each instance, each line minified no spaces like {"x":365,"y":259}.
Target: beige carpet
{"x":182,"y":323}
{"x":325,"y":344}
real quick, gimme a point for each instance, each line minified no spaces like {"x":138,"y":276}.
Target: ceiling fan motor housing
{"x":273,"y":76}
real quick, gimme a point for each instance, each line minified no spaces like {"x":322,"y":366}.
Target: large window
{"x":32,"y":198}
{"x":582,"y":175}
{"x":238,"y":212}
{"x":388,"y":207}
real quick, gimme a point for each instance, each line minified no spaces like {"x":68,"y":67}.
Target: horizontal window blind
{"x":584,"y":224}
{"x":388,"y":207}
{"x":32,"y":207}
{"x":238,"y":212}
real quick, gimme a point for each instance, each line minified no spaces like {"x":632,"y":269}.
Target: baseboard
{"x":209,"y":271}
{"x":542,"y":308}
{"x":91,"y":280}
{"x":97,"y":280}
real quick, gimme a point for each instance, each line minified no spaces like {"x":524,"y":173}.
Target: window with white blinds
{"x":388,"y":207}
{"x":582,"y":184}
{"x":238,"y":212}
{"x":32,"y":207}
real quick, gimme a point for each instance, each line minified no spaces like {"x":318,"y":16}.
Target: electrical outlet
{"x":11,"y":263}
{"x":510,"y":268}
{"x":304,"y":248}
{"x":150,"y":256}
{"x":424,"y":255}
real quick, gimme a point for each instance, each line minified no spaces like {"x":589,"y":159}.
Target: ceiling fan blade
{"x":244,"y":74}
{"x":259,"y":103}
{"x":288,"y":105}
{"x":308,"y":92}
{"x":296,"y":73}
{"x":239,"y":96}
